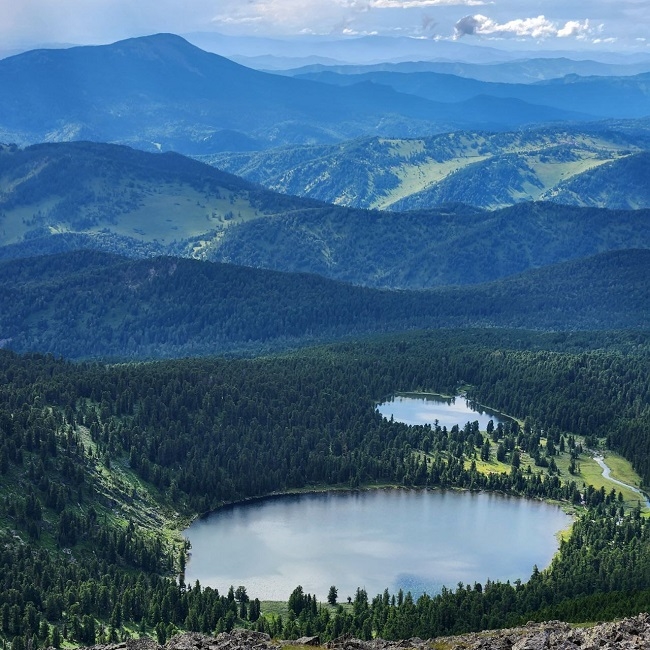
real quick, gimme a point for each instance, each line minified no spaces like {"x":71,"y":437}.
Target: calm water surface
{"x":414,"y":540}
{"x":412,"y":408}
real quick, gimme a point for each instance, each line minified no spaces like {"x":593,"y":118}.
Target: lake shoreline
{"x":377,"y":537}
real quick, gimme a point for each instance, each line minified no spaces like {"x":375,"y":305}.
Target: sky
{"x":611,"y":25}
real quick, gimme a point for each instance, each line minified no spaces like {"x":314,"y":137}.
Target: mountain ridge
{"x":488,"y":170}
{"x":613,"y":97}
{"x":63,"y":196}
{"x":87,"y":304}
{"x":161,"y":92}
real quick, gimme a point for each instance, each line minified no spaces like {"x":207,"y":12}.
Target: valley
{"x":220,"y":285}
{"x":97,"y":436}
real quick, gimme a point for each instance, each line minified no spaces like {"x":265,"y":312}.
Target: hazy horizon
{"x":592,"y":30}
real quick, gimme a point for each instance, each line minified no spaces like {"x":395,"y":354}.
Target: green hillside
{"x":416,"y":250}
{"x":621,"y":184}
{"x":157,"y":202}
{"x":488,"y":170}
{"x":61,"y":197}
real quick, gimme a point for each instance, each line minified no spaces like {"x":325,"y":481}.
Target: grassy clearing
{"x":492,"y":466}
{"x":275,"y":608}
{"x":551,"y":173}
{"x":591,"y":474}
{"x":131,"y":499}
{"x":419,"y":177}
{"x":143,"y":210}
{"x":621,"y":469}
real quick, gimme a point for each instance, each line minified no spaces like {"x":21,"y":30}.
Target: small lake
{"x":377,"y":539}
{"x":418,"y":408}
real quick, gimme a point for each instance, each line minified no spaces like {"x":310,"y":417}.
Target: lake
{"x":416,"y":540}
{"x":419,"y":408}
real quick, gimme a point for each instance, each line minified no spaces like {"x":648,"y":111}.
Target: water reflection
{"x":413,"y":540}
{"x":416,"y":408}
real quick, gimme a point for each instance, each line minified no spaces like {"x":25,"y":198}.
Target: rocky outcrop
{"x":236,"y":640}
{"x":628,"y":634}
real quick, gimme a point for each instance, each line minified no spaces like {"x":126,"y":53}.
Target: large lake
{"x":417,"y":408}
{"x":409,"y":539}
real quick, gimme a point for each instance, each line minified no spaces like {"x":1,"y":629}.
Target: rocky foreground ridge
{"x":628,"y":634}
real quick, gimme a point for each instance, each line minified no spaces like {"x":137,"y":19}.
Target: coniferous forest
{"x":100,"y":464}
{"x":176,"y":340}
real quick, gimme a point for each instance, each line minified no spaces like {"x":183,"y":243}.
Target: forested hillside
{"x":424,"y":249}
{"x":89,"y":305}
{"x":94,"y":459}
{"x":622,"y":185}
{"x":479,"y":168}
{"x":70,"y":196}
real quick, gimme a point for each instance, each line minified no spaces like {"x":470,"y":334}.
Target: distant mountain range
{"x":379,"y":50}
{"x":67,"y":196}
{"x":161,"y":93}
{"x":520,"y":71}
{"x":618,"y":97}
{"x":363,"y":49}
{"x":488,"y":170}
{"x":88,"y":304}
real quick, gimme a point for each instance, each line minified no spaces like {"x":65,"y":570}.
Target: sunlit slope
{"x":142,"y":202}
{"x":70,"y":196}
{"x":619,"y":184}
{"x":488,"y":170}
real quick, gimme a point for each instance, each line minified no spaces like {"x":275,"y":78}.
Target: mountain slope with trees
{"x":87,"y":304}
{"x":69,"y":196}
{"x":424,"y":249}
{"x":620,"y":184}
{"x":488,"y":170}
{"x":88,"y":448}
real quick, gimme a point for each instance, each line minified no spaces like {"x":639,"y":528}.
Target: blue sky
{"x":613,"y":25}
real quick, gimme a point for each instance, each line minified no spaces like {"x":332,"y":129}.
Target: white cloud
{"x":538,"y":27}
{"x":574,"y":28}
{"x":96,"y":21}
{"x":237,"y":20}
{"x":294,"y":16}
